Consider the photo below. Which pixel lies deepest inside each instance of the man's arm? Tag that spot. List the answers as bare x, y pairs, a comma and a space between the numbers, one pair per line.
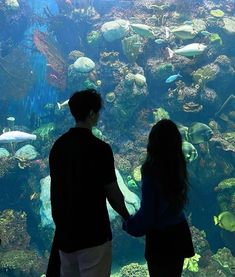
116, 199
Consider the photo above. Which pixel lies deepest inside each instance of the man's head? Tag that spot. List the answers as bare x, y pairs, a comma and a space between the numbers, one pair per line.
84, 104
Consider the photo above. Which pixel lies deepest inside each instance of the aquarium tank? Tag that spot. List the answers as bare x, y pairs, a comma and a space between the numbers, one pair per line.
149, 60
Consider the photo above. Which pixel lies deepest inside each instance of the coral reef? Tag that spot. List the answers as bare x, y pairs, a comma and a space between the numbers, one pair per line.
13, 231
134, 270
225, 258
132, 47
22, 262
205, 74
7, 165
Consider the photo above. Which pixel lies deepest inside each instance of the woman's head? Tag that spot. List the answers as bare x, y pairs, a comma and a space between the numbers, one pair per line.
165, 161
164, 140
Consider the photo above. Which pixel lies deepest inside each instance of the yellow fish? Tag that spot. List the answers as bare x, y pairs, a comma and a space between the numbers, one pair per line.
225, 220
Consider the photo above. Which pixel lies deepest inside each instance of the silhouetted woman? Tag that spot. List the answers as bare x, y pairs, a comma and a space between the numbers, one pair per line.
164, 195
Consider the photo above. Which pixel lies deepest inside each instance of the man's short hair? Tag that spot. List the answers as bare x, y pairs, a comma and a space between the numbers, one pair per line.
81, 103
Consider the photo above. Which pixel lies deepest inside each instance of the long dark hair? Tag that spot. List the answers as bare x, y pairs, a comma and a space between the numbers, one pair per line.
165, 161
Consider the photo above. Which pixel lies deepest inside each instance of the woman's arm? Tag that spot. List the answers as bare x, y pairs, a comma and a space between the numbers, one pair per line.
144, 219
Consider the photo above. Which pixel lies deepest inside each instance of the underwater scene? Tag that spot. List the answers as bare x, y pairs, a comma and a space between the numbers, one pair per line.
149, 60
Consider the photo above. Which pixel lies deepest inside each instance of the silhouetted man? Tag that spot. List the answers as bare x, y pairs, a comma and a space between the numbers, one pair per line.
82, 178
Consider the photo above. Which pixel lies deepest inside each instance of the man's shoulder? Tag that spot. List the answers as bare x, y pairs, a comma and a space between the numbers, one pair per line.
102, 144
61, 140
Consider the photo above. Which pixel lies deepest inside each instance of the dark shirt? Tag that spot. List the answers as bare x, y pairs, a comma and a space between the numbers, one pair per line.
155, 211
81, 165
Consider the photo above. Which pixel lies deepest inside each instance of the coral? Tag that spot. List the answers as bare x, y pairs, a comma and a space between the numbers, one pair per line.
13, 230
137, 173
6, 165
45, 130
88, 84
134, 270
94, 38
208, 95
110, 97
23, 262
223, 142
160, 71
217, 13
108, 57
199, 240
132, 47
122, 164
225, 258
229, 25
206, 73
75, 54
215, 38
160, 113
192, 263
191, 107
57, 67
225, 184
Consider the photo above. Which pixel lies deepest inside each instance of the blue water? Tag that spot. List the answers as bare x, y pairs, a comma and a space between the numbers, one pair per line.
130, 72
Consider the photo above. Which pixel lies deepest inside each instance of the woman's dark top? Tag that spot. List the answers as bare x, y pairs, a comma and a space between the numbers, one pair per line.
167, 232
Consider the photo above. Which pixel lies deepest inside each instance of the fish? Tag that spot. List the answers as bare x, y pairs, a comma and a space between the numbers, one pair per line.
184, 32
225, 220
190, 152
172, 78
61, 105
199, 132
189, 50
159, 41
143, 30
69, 2
167, 32
10, 118
53, 76
205, 33
16, 136
188, 22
